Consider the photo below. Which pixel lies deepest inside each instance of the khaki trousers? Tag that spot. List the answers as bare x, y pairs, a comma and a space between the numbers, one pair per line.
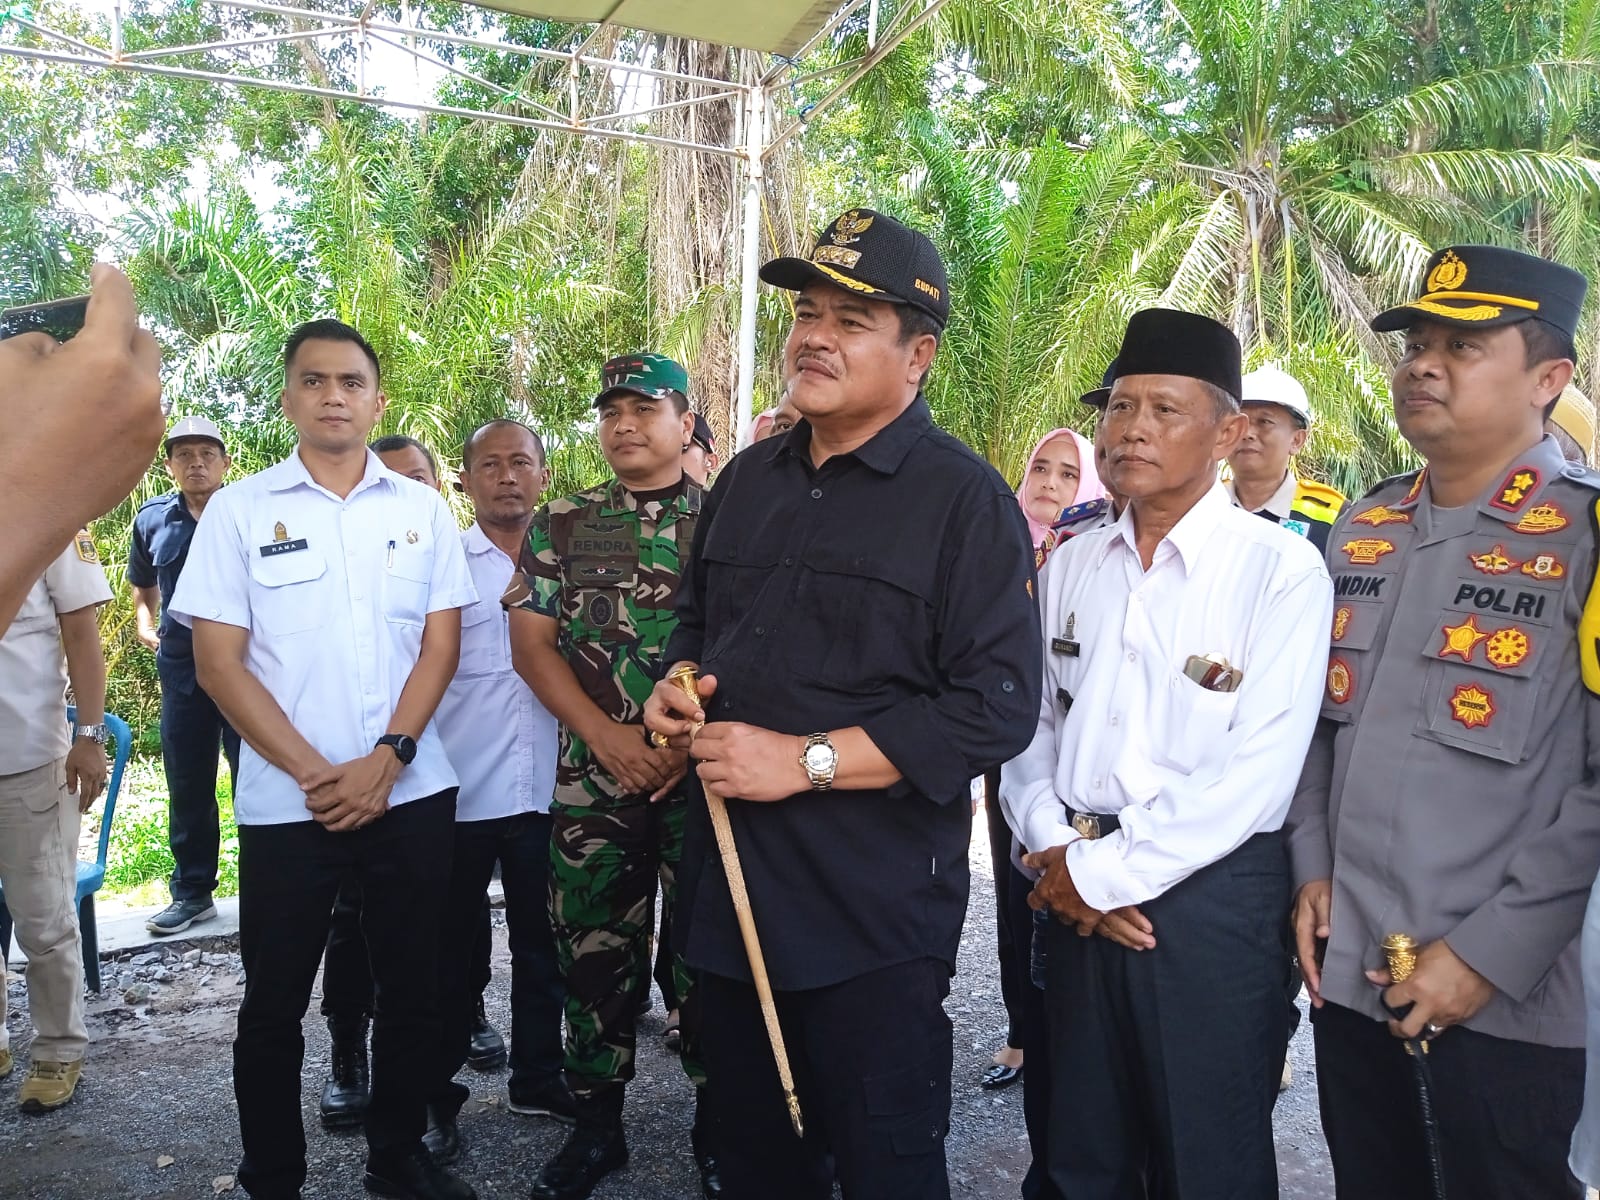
38, 870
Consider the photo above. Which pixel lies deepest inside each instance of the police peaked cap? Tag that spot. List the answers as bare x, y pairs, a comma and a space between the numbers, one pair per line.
1481, 287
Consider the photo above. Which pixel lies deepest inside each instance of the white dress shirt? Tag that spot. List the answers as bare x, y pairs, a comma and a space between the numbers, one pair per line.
1191, 773
499, 738
33, 666
334, 593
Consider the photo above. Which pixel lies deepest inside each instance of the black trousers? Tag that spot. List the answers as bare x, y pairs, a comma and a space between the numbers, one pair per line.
346, 974
1013, 960
1506, 1111
1165, 1063
521, 845
662, 971
871, 1061
288, 875
1036, 1183
191, 730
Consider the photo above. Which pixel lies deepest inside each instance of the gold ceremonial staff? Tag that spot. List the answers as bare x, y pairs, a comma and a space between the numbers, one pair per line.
1400, 952
687, 680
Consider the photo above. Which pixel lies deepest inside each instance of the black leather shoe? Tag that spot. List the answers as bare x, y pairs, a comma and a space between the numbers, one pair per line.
591, 1153
487, 1050
710, 1171
344, 1096
1000, 1076
549, 1099
443, 1138
413, 1176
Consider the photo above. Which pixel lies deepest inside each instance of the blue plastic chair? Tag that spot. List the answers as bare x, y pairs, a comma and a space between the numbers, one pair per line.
90, 874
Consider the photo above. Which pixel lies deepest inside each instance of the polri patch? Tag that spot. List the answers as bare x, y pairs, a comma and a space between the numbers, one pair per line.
1381, 515
1341, 621
1341, 681
1367, 551
1492, 562
1544, 566
1507, 647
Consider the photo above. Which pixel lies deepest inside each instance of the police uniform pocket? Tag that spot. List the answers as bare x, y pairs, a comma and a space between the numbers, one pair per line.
1196, 720
1482, 684
284, 600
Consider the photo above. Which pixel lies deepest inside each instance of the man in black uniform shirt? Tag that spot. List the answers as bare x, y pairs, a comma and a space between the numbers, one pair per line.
860, 605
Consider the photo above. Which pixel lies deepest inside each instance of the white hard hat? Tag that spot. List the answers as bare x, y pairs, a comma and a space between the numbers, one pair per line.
1270, 385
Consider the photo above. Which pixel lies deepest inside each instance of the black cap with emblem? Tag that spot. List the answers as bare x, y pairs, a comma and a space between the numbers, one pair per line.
1484, 286
867, 252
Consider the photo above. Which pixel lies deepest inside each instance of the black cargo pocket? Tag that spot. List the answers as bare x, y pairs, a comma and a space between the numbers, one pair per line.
910, 1107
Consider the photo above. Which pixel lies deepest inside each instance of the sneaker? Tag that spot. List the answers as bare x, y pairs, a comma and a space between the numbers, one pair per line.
550, 1099
179, 915
48, 1086
6, 1063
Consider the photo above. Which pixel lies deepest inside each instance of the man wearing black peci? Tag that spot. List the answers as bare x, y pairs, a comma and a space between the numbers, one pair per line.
860, 605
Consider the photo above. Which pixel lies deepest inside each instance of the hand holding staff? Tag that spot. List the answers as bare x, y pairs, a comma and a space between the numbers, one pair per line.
685, 678
1400, 949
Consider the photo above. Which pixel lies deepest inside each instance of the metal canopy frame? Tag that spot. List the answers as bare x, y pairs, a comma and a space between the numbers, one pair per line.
610, 111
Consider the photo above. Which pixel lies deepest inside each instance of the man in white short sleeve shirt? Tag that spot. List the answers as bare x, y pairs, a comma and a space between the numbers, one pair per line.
325, 596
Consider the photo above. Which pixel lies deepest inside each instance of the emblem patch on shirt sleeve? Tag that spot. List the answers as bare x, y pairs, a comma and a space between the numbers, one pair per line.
1381, 515
1367, 551
1542, 518
1507, 647
1493, 562
1544, 566
84, 545
1341, 680
1472, 705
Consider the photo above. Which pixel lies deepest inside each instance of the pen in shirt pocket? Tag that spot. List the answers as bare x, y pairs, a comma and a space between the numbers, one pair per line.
391, 554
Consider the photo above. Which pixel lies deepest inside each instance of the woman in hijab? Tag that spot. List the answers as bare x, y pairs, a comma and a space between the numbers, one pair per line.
1060, 474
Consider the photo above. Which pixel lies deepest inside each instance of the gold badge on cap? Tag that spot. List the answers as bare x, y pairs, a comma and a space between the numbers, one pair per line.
1448, 273
850, 227
837, 255
279, 533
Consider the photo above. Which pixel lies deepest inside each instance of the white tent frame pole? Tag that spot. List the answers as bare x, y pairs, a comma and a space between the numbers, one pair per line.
755, 122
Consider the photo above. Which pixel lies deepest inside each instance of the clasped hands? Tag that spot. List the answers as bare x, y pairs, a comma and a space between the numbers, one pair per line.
734, 759
351, 795
1055, 892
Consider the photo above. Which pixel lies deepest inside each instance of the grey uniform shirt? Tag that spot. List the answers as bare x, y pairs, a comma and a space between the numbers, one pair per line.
1451, 789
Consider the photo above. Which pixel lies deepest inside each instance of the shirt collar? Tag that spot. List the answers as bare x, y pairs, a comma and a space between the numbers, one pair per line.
475, 541
1187, 537
885, 450
291, 473
1280, 504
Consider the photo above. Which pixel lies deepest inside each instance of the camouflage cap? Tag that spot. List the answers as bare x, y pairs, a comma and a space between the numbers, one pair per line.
653, 375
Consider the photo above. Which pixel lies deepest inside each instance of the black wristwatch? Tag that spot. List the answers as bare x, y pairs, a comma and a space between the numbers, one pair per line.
403, 745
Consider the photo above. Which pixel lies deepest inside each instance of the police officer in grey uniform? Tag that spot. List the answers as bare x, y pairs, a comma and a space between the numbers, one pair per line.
1450, 792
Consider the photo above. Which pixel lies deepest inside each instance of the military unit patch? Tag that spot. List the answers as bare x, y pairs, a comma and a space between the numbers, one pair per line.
1507, 647
1543, 518
1492, 562
1341, 680
1472, 705
1461, 640
84, 545
1381, 515
1515, 490
1544, 566
1367, 551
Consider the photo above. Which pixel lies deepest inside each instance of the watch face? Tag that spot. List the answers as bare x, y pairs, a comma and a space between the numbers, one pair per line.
820, 758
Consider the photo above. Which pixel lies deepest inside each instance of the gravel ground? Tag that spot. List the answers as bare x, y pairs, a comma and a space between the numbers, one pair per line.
155, 1114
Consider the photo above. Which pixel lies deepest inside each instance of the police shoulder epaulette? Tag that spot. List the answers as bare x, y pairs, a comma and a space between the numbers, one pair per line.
1080, 512
1408, 478
1584, 476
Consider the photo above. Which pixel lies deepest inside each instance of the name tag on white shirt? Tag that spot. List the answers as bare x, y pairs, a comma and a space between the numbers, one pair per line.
272, 548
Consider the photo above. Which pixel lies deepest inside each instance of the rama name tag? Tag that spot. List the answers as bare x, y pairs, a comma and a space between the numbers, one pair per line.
284, 547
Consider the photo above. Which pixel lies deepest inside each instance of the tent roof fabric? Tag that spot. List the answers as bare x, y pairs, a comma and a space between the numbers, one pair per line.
774, 26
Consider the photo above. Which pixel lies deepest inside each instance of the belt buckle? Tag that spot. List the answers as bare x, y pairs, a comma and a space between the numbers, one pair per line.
1086, 825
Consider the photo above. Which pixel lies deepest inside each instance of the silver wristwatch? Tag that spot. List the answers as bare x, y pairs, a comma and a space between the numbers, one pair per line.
820, 761
97, 734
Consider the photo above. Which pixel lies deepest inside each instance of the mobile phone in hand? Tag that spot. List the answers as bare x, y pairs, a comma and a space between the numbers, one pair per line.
61, 319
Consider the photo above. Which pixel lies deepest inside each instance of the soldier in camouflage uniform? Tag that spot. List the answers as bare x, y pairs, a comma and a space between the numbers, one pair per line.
590, 616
